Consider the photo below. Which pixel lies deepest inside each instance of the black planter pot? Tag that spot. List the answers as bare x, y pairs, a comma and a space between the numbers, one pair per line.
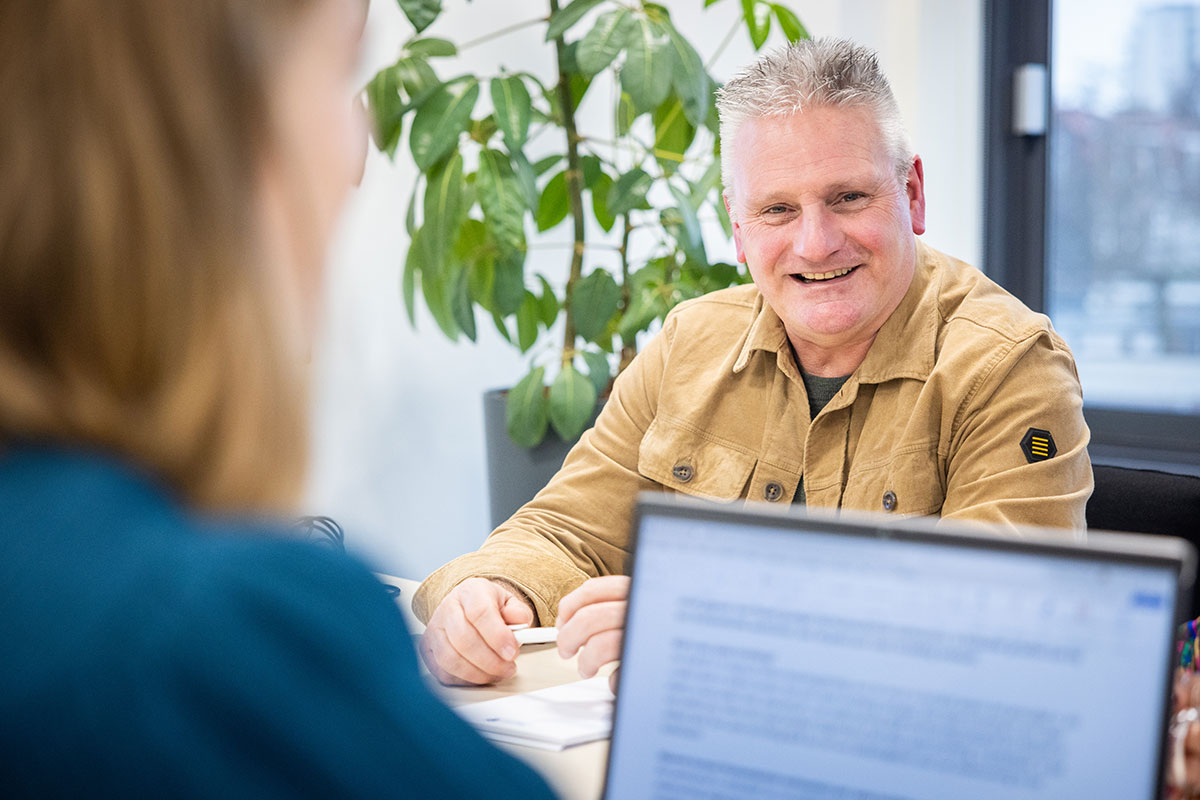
515, 473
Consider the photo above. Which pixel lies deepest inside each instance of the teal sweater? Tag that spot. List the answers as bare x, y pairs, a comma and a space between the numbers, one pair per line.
147, 651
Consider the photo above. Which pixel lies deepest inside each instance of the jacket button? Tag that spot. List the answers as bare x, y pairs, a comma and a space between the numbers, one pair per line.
683, 472
889, 500
773, 491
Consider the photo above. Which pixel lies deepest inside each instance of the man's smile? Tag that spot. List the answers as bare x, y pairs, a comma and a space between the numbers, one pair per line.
822, 277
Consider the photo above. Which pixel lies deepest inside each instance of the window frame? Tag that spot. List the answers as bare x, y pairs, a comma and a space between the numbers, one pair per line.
1015, 167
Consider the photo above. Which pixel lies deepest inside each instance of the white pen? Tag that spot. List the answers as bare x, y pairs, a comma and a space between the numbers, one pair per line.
527, 635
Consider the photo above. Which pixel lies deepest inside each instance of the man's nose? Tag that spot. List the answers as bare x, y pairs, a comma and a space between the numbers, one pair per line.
819, 235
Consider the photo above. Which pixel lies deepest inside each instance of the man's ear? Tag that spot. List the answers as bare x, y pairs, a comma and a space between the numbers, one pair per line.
737, 230
916, 195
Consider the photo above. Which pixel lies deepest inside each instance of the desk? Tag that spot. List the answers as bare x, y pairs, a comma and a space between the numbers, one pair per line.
576, 773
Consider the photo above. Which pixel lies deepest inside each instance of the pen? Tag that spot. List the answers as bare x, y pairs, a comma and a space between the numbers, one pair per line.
527, 635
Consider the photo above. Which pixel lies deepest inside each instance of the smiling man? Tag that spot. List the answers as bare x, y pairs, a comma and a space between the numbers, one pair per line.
863, 370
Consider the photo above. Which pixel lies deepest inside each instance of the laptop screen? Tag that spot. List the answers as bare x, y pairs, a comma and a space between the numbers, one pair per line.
766, 661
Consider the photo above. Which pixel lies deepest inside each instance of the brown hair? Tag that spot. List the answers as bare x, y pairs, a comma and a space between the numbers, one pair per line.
134, 313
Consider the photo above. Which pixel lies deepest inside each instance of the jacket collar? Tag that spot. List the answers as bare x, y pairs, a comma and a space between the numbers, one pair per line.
903, 348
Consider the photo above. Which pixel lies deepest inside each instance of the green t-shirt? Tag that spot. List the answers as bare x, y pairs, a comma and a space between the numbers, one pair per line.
820, 392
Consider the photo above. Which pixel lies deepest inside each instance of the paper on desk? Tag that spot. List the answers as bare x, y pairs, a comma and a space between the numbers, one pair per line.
552, 719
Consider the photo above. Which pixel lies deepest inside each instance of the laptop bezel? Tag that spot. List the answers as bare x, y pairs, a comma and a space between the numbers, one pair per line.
1108, 546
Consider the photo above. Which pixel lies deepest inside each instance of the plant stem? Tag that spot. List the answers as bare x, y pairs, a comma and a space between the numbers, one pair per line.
574, 177
724, 43
628, 347
487, 37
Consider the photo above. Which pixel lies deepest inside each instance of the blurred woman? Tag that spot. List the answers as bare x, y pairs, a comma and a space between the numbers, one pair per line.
170, 174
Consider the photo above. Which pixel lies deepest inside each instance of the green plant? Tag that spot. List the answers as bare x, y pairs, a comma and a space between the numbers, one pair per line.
650, 180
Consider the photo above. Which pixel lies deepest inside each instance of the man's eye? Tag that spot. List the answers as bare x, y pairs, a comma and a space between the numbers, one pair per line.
776, 210
852, 197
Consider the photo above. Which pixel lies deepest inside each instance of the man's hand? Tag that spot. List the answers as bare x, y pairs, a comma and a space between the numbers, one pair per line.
591, 622
467, 640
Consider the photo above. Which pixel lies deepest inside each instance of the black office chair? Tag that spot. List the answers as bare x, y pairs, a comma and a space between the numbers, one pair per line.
1147, 501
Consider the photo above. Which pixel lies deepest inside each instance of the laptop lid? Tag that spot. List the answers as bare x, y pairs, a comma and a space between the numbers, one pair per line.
803, 655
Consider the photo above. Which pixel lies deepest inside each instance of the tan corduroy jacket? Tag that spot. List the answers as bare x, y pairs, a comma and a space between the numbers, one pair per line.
966, 406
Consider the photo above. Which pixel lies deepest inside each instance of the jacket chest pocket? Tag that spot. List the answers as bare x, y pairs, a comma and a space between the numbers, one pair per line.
909, 483
681, 458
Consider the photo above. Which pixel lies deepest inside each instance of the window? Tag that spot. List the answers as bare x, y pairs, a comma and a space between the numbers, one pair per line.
1096, 221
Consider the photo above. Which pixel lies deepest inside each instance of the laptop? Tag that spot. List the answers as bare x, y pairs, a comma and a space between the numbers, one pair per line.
805, 655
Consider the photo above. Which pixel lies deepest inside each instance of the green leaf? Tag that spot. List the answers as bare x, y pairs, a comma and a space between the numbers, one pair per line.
475, 250
600, 194
481, 130
645, 307
432, 48
544, 165
594, 300
600, 45
789, 23
513, 110
690, 239
408, 288
626, 114
689, 79
708, 3
387, 110
436, 284
599, 370
657, 12
578, 85
713, 123
569, 62
445, 206
461, 307
481, 280
421, 13
758, 21
710, 180
501, 327
673, 135
527, 176
509, 288
440, 120
410, 217
547, 303
590, 166
572, 401
416, 77
527, 410
527, 322
552, 207
629, 192
565, 17
502, 199
646, 74
723, 218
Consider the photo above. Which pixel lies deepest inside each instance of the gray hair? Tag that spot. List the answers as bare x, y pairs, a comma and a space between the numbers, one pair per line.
813, 73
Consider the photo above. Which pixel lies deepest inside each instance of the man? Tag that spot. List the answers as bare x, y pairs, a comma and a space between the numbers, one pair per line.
861, 370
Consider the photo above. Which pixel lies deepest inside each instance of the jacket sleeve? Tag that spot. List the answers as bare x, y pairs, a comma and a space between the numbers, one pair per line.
577, 527
287, 672
1018, 455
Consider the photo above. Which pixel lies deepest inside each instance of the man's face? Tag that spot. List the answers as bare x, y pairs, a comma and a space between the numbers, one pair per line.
824, 225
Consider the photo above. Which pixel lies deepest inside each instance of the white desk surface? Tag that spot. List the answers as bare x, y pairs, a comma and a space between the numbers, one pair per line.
576, 773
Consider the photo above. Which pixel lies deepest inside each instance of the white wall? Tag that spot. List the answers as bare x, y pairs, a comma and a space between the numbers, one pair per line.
397, 431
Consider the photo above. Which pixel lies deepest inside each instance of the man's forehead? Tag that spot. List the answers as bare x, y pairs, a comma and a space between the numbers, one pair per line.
821, 130
830, 147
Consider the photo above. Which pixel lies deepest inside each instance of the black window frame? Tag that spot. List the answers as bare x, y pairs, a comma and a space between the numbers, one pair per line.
1019, 32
